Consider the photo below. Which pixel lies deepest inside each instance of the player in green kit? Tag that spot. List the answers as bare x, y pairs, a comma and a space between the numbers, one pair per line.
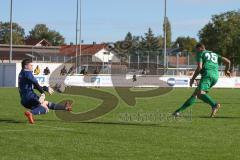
207, 66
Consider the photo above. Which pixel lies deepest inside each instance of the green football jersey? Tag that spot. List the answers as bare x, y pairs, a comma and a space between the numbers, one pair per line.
210, 61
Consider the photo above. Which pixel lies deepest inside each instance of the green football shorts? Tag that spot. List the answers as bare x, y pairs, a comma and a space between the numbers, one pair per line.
207, 82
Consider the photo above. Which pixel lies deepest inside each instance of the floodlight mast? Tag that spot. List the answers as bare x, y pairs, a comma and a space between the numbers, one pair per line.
78, 30
165, 35
10, 53
76, 42
80, 34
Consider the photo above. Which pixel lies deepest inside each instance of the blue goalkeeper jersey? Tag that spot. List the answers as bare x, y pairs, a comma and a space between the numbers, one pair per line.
26, 84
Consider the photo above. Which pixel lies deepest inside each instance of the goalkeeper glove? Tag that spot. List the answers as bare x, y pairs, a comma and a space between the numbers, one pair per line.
50, 90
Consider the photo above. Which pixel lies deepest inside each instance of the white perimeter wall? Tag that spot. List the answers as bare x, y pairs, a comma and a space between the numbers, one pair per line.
9, 78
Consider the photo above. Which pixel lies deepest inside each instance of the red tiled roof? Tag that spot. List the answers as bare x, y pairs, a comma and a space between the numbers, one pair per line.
20, 51
34, 42
87, 49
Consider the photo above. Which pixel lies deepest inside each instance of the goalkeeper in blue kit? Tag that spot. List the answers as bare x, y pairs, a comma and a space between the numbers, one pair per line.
37, 105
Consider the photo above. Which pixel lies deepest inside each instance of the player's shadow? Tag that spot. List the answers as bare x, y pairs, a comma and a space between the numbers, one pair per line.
230, 103
219, 117
121, 123
13, 121
135, 124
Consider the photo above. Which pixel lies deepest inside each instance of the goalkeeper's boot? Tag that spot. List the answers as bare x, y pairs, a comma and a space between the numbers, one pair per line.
214, 110
29, 116
68, 106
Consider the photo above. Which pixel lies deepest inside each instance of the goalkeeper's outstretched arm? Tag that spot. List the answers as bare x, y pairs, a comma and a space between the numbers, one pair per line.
38, 87
41, 89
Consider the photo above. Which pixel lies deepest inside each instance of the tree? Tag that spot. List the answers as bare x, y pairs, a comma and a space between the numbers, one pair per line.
142, 45
222, 35
41, 31
185, 43
149, 43
168, 32
17, 33
129, 46
128, 37
135, 43
160, 41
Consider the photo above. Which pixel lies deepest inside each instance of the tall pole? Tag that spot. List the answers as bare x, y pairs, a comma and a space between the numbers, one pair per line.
76, 47
165, 35
10, 53
148, 60
138, 59
80, 34
129, 60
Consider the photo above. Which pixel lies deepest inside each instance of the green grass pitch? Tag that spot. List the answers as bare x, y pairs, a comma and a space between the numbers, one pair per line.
114, 136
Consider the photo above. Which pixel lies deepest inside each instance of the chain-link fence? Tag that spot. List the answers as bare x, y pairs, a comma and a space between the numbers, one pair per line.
138, 62
153, 63
177, 64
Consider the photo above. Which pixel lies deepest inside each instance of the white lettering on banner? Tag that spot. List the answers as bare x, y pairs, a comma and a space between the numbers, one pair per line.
176, 81
42, 80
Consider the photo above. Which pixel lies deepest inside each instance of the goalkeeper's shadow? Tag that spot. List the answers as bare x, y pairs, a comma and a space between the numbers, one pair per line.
11, 121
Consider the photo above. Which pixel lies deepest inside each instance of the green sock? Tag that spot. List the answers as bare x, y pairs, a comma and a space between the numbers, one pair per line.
187, 104
207, 99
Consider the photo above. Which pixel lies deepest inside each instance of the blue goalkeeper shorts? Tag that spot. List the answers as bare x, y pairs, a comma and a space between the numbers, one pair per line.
30, 101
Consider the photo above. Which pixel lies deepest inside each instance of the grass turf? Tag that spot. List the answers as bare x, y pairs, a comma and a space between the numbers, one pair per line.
122, 133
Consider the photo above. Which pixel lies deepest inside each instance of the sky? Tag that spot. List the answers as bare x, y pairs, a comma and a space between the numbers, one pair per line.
110, 20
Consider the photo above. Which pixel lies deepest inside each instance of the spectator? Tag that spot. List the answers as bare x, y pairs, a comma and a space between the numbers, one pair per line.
37, 70
134, 79
144, 71
46, 71
96, 71
63, 71
71, 71
83, 71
